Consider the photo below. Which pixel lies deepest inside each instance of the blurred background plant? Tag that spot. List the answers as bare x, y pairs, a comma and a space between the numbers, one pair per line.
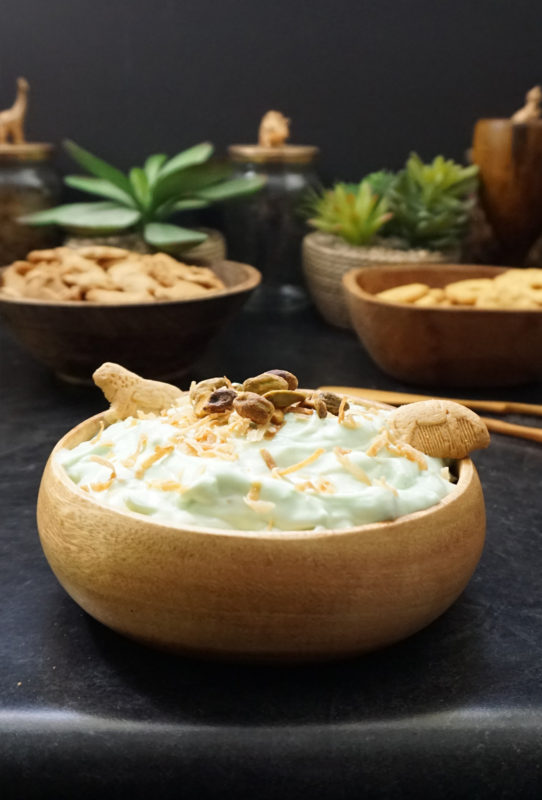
355, 212
145, 199
422, 206
431, 203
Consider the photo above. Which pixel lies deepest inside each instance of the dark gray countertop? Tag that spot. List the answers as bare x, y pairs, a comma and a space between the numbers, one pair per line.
455, 711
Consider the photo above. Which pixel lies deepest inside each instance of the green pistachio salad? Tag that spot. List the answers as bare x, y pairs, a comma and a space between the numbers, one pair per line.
258, 456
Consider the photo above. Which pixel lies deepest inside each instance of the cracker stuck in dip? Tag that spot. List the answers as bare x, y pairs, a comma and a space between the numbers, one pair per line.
262, 455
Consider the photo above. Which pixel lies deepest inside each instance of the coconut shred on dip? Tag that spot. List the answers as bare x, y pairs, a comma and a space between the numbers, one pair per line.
262, 455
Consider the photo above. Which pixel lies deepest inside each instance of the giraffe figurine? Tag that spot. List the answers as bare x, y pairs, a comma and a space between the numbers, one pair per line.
12, 119
531, 109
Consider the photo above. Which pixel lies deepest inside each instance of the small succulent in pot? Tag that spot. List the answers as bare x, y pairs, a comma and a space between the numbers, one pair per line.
431, 203
353, 212
419, 214
145, 199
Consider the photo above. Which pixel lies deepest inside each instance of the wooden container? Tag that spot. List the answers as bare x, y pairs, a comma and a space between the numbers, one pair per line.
509, 157
259, 595
157, 340
443, 346
327, 258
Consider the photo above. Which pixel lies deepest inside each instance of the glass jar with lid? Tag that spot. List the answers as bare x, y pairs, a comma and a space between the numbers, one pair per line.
28, 182
266, 228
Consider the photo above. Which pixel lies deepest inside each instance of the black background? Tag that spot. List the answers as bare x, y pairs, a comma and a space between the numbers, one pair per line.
367, 81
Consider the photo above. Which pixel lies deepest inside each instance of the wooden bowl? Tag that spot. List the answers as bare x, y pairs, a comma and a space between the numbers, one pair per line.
443, 346
259, 595
157, 340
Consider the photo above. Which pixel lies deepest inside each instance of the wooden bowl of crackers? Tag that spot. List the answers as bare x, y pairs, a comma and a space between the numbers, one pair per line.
262, 594
74, 309
450, 324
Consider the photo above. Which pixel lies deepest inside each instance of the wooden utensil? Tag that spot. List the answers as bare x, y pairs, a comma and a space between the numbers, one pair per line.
492, 406
399, 398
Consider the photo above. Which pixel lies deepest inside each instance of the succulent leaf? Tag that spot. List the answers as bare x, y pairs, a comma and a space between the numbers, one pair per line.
353, 212
198, 154
431, 202
381, 182
187, 182
102, 217
97, 166
148, 195
100, 187
140, 186
166, 236
152, 167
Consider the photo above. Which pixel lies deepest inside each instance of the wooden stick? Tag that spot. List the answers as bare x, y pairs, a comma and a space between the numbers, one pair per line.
400, 398
509, 429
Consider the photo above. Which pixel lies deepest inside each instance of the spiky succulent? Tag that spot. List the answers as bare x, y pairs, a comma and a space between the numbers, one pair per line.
381, 182
352, 211
431, 203
148, 196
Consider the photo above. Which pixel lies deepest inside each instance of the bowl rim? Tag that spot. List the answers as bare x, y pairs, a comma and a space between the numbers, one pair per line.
466, 473
252, 279
351, 285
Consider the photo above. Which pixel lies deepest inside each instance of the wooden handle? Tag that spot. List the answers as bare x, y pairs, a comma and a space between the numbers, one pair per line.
400, 398
509, 429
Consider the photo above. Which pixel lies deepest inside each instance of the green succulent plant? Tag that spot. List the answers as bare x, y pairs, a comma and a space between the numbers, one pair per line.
147, 197
381, 182
352, 211
431, 202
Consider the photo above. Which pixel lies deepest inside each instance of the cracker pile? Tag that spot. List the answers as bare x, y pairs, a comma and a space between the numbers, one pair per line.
513, 289
107, 275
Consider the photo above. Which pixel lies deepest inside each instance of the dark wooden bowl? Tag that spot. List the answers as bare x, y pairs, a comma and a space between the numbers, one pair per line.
443, 346
157, 340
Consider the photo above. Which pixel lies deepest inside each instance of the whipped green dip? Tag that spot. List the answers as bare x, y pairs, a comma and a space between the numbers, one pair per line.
228, 473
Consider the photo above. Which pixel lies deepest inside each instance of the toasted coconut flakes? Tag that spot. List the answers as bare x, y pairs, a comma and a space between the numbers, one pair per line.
268, 458
300, 410
146, 415
129, 461
445, 473
256, 434
252, 499
383, 482
96, 438
101, 487
260, 506
409, 452
353, 469
302, 487
166, 486
325, 486
105, 463
309, 460
254, 492
342, 409
381, 441
159, 452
